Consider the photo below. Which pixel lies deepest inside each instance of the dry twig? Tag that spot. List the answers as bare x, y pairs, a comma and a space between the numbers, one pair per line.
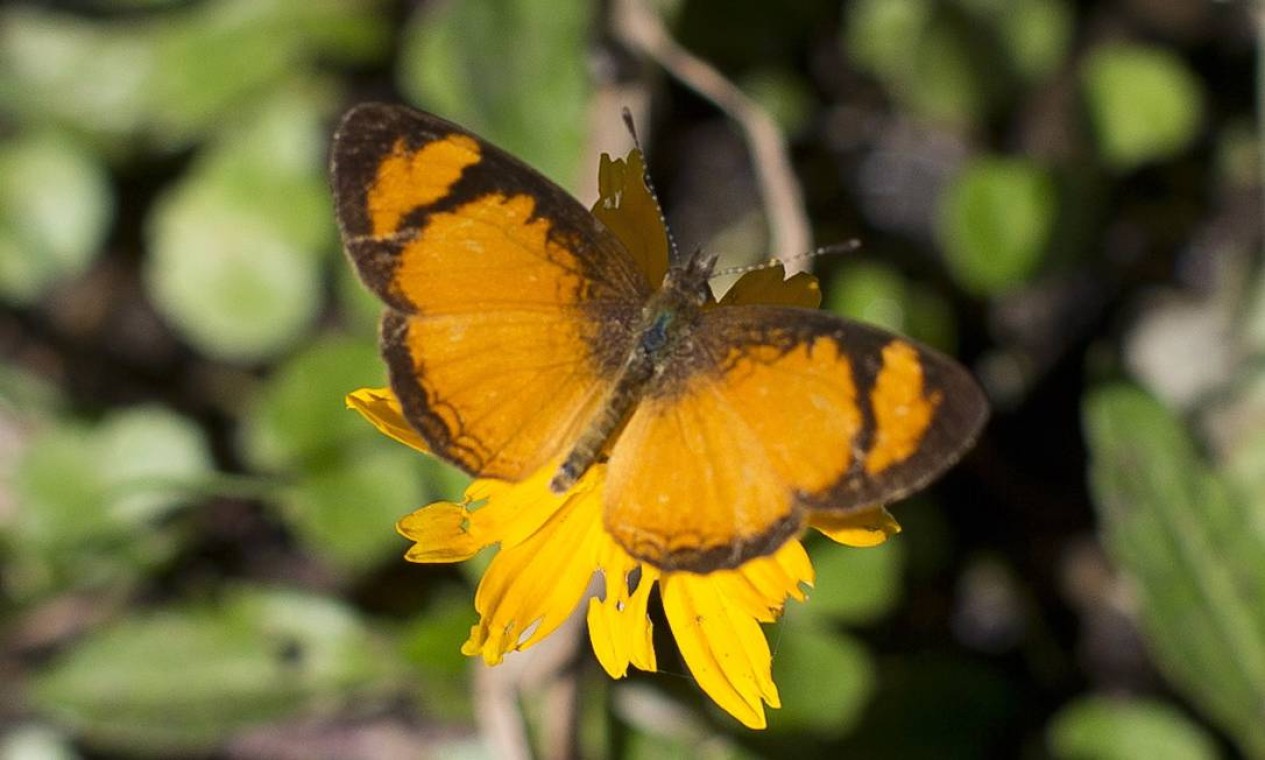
641, 29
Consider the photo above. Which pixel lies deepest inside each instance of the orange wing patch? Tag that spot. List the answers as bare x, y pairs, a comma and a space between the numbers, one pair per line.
902, 413
711, 474
492, 252
407, 180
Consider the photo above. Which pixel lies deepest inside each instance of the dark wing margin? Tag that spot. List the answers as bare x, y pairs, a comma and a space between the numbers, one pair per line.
960, 406
960, 412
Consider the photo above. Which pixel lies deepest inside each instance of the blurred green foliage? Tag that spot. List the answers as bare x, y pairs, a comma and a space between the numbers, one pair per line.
995, 223
1144, 103
93, 497
196, 545
488, 65
1193, 547
252, 656
56, 203
1108, 729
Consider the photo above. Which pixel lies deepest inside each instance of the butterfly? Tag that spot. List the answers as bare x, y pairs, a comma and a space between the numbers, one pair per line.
521, 333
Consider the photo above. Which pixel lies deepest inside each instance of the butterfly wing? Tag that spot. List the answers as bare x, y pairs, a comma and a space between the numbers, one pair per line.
508, 302
778, 412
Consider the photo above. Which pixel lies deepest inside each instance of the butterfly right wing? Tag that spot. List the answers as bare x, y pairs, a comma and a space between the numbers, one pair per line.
773, 414
509, 304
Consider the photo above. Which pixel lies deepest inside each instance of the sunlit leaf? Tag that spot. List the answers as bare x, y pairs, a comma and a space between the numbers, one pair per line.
150, 460
89, 498
922, 56
55, 209
995, 222
1144, 102
36, 742
1110, 729
300, 418
237, 246
345, 513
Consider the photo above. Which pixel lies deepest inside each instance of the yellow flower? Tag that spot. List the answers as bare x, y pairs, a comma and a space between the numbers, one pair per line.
551, 545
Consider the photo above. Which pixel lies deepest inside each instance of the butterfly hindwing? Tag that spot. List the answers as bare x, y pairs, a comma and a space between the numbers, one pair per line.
784, 411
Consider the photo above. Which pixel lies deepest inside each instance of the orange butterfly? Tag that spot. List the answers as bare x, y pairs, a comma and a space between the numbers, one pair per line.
520, 333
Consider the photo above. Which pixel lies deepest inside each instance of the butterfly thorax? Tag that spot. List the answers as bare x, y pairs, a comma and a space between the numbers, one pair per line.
661, 336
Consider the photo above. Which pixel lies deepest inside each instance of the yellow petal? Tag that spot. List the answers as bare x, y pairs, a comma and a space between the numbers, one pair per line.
382, 409
441, 532
776, 577
867, 528
529, 589
724, 648
619, 627
514, 511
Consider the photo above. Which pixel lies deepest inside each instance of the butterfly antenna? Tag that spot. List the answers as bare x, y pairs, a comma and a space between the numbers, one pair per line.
825, 250
673, 254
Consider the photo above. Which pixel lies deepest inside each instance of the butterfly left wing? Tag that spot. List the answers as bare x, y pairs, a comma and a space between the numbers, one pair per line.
508, 301
774, 413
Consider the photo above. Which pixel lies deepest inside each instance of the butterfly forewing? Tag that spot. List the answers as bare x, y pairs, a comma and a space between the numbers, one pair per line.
510, 304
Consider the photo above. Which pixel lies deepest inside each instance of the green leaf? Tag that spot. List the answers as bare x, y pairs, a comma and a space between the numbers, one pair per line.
55, 208
90, 499
514, 71
59, 488
352, 483
346, 513
300, 418
1095, 728
945, 85
61, 68
1145, 104
181, 680
1195, 554
150, 460
994, 223
854, 585
236, 248
25, 396
825, 680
